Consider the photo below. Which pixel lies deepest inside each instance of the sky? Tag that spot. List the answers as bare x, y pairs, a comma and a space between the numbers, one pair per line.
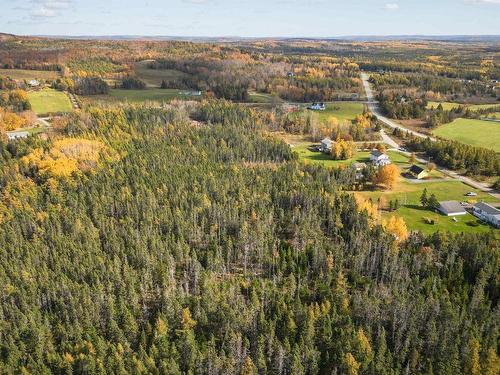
250, 18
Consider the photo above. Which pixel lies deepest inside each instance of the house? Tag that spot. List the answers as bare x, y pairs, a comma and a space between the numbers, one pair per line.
17, 135
34, 83
451, 208
317, 107
379, 158
488, 213
358, 168
417, 172
290, 74
326, 145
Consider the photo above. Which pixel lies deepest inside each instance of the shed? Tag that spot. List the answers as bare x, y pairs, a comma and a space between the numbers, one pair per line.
451, 208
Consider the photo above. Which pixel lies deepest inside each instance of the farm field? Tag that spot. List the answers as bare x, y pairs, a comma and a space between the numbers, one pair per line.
49, 101
23, 74
473, 132
397, 158
343, 111
450, 105
139, 96
259, 97
411, 211
154, 77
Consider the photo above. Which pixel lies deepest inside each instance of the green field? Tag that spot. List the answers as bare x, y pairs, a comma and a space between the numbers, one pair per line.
22, 74
138, 96
343, 111
447, 106
153, 77
49, 101
397, 158
262, 98
472, 132
408, 195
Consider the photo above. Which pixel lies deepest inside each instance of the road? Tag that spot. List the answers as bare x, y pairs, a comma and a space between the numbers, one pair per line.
373, 106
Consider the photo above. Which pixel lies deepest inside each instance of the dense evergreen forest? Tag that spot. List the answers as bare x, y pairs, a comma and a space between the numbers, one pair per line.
186, 240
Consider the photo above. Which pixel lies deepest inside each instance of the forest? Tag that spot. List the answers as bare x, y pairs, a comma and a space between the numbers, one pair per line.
187, 236
186, 240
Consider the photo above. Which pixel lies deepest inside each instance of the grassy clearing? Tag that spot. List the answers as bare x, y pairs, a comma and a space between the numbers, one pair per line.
472, 132
149, 95
262, 98
49, 101
139, 96
153, 77
450, 105
22, 74
408, 195
343, 111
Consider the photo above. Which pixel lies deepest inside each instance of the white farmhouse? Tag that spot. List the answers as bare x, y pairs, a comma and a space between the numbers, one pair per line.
379, 159
487, 213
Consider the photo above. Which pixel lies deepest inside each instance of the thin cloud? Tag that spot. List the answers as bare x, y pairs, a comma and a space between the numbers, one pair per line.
49, 8
483, 2
391, 6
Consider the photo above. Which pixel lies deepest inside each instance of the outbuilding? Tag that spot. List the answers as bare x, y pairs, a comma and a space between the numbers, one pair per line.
417, 172
451, 208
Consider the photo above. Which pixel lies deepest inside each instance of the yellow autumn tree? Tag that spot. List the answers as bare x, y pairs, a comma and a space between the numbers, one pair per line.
387, 176
397, 227
248, 367
492, 364
187, 322
11, 121
351, 364
473, 364
368, 206
66, 157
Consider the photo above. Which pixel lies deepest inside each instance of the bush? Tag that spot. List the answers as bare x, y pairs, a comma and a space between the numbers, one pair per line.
132, 83
91, 86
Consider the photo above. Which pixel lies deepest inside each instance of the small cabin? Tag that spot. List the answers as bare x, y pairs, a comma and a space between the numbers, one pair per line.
417, 172
317, 107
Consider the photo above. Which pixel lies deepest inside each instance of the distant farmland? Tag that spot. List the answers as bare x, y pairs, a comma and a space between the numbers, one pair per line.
23, 74
49, 101
154, 77
473, 132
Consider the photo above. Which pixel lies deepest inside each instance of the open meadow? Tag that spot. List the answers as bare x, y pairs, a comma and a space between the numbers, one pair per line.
473, 132
447, 106
342, 111
140, 96
49, 101
24, 74
154, 77
408, 195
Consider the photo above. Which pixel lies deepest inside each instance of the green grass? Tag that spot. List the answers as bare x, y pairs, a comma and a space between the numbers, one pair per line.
324, 159
138, 96
408, 195
154, 77
472, 132
23, 74
343, 111
262, 98
450, 105
49, 101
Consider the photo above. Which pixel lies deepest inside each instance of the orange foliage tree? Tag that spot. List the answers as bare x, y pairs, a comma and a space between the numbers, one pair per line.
387, 175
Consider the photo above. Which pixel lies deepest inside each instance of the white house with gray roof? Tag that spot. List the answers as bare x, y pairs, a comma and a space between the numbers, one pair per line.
488, 213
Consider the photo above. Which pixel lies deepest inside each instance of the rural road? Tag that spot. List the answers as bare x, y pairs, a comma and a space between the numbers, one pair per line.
373, 106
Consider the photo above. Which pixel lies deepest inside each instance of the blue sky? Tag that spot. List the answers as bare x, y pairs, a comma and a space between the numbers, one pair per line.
320, 18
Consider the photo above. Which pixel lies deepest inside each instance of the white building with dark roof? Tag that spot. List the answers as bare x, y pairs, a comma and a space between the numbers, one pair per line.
488, 213
379, 158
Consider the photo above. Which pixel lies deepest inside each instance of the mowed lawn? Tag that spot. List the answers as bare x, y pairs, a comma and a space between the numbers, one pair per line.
138, 96
49, 101
447, 106
343, 111
24, 74
473, 132
408, 196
